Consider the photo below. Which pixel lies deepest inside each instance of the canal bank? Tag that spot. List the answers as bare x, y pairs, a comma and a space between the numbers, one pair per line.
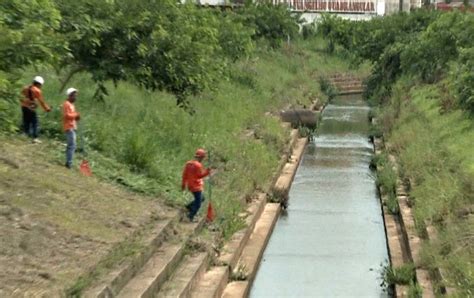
331, 240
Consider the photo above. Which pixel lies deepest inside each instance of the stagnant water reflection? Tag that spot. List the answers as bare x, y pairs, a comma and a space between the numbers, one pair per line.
331, 241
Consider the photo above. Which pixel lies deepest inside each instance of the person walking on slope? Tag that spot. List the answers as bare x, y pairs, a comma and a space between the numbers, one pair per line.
193, 174
70, 118
31, 95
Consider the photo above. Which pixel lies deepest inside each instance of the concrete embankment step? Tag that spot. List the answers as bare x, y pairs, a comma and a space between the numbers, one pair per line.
154, 273
213, 283
186, 276
253, 252
231, 252
236, 289
347, 84
151, 277
115, 280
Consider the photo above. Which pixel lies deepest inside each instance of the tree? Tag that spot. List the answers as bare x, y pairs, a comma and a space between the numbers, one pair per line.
27, 37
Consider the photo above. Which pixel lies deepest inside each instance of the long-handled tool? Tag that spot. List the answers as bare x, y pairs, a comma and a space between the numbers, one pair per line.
84, 166
210, 211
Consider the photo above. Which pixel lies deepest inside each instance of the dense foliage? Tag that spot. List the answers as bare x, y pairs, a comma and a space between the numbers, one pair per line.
427, 45
26, 37
159, 45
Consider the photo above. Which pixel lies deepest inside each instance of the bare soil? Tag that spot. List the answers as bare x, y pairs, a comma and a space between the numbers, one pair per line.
56, 224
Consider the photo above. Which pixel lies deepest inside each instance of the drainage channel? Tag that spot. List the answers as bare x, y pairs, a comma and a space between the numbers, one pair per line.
331, 240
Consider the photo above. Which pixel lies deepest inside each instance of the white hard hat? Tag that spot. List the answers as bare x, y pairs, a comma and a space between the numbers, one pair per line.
70, 90
39, 80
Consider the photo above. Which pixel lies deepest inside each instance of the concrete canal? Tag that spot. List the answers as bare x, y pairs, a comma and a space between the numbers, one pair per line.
331, 240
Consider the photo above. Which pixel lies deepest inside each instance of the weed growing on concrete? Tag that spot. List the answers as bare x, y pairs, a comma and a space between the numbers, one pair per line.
415, 290
327, 88
402, 275
387, 181
240, 273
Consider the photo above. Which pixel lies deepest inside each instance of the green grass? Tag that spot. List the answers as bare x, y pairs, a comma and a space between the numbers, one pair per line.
387, 181
402, 275
435, 152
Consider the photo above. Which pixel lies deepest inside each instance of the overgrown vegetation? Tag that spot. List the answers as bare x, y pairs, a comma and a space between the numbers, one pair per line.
429, 46
403, 275
327, 88
387, 181
422, 78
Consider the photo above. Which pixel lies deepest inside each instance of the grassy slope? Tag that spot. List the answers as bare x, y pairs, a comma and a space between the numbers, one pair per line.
140, 140
56, 224
436, 152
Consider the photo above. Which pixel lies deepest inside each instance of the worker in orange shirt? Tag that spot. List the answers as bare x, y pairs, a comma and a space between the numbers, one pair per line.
31, 96
70, 118
193, 174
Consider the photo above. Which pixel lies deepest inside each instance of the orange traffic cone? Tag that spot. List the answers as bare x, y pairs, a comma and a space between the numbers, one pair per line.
210, 213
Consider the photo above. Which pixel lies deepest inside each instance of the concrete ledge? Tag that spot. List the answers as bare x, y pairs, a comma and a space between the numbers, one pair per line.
424, 281
253, 251
409, 242
236, 289
156, 271
440, 274
212, 284
413, 242
396, 249
118, 278
401, 291
186, 276
233, 249
282, 185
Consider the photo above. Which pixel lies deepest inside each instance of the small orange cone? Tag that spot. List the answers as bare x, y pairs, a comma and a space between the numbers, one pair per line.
85, 168
210, 213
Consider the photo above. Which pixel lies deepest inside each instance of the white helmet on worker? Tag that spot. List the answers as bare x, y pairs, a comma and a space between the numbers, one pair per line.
38, 80
70, 91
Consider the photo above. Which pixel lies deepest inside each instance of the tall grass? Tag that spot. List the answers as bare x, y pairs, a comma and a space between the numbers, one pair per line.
435, 150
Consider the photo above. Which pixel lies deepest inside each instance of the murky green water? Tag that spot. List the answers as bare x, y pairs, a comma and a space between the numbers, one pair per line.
331, 241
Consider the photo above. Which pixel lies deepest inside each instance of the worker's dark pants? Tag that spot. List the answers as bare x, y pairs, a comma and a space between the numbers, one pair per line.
71, 146
30, 122
196, 204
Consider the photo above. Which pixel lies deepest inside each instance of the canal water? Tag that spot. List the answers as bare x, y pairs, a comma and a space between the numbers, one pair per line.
331, 240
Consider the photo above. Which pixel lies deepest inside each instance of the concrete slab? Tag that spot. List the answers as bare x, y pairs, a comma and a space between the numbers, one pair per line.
253, 251
233, 249
212, 284
236, 289
154, 273
118, 278
185, 277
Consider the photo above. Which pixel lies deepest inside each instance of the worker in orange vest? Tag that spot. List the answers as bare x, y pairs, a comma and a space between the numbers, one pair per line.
70, 118
193, 174
31, 96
